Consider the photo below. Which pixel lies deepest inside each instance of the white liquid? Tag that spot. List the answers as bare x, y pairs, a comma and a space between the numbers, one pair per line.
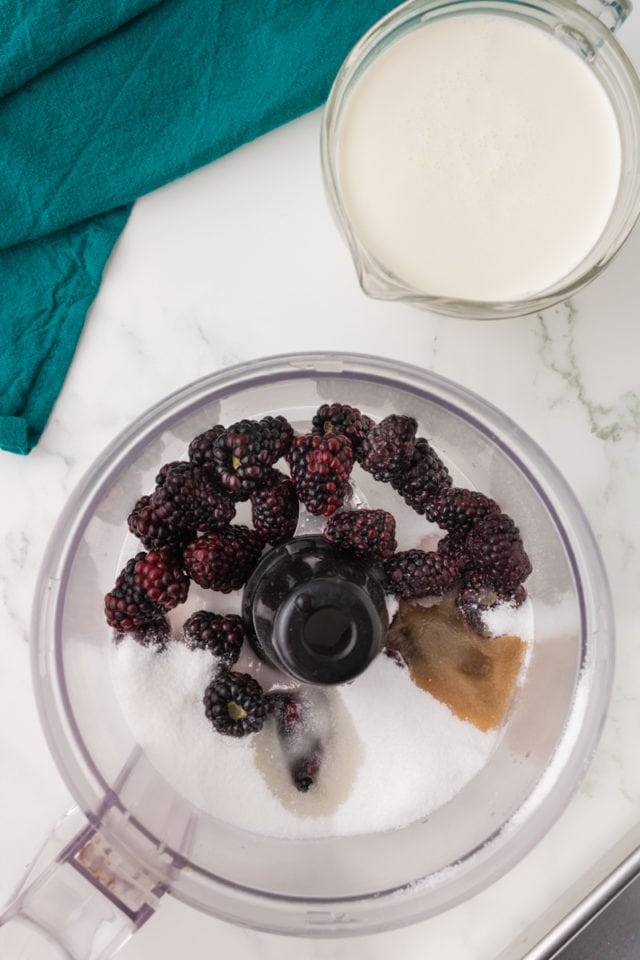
479, 158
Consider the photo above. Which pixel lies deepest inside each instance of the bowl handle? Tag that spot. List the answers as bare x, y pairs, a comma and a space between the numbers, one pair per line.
612, 13
85, 904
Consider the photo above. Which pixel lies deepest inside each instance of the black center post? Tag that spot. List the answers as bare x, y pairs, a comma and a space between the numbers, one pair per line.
314, 612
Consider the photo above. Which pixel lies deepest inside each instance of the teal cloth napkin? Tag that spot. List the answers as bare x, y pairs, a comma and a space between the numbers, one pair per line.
105, 101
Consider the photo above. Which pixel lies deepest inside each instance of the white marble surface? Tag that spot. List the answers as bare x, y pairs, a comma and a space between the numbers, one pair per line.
241, 260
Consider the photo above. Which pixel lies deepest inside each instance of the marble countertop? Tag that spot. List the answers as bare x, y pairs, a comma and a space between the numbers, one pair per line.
241, 260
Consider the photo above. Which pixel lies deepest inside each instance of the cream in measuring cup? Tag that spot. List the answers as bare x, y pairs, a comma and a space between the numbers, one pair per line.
478, 157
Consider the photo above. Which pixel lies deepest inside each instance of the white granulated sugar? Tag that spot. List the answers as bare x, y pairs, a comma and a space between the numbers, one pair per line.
507, 620
417, 754
392, 753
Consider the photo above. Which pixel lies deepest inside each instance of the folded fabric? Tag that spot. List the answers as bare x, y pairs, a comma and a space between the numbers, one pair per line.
139, 93
42, 33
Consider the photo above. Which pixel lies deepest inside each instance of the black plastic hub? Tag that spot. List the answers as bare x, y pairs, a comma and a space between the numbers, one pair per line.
314, 612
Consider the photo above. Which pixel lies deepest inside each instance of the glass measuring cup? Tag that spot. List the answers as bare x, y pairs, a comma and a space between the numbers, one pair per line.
585, 30
136, 837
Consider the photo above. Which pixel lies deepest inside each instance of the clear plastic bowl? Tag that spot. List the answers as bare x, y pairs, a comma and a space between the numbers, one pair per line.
334, 886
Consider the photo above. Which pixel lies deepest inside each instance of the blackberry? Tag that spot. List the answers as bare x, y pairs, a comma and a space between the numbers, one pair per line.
279, 434
243, 454
223, 636
426, 477
453, 546
234, 703
320, 468
145, 524
156, 633
341, 418
223, 561
477, 594
201, 447
388, 447
165, 469
159, 574
457, 510
127, 607
188, 500
275, 509
305, 770
366, 533
390, 650
302, 750
413, 573
494, 549
288, 715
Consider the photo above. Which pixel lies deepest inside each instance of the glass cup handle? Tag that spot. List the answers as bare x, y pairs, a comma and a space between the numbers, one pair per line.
612, 13
83, 905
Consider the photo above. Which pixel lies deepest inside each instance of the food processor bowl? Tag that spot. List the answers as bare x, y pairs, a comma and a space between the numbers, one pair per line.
141, 837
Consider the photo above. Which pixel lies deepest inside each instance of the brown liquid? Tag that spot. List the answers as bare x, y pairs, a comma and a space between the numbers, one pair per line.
474, 676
